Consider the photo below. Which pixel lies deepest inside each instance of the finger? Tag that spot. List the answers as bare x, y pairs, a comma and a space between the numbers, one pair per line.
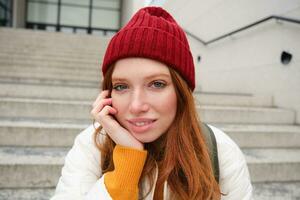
102, 95
108, 110
105, 116
98, 107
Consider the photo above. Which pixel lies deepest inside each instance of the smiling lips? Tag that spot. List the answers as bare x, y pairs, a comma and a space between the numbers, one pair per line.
140, 125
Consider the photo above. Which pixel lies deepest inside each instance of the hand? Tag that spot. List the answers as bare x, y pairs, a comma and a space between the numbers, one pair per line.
102, 112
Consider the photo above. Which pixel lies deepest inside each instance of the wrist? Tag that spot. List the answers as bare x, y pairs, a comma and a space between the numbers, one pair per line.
138, 146
129, 163
132, 145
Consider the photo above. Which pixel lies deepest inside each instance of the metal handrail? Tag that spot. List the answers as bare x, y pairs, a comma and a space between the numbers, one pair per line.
242, 29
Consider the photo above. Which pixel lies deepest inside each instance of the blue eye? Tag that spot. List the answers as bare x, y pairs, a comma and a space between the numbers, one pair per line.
120, 87
158, 84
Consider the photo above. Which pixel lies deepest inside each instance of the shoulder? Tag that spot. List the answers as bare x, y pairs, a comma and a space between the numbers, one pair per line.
234, 175
81, 173
85, 149
86, 136
229, 153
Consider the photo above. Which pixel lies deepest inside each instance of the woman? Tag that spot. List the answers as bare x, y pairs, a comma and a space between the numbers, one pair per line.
146, 142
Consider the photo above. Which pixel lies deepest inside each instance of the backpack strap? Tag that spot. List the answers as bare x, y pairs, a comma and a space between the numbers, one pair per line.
211, 143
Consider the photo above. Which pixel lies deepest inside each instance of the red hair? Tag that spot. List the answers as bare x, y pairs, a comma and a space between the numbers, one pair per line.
181, 153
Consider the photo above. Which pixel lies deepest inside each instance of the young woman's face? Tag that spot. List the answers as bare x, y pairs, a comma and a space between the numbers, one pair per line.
144, 96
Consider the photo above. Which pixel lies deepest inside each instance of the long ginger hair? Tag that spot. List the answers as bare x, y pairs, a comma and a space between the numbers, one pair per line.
180, 154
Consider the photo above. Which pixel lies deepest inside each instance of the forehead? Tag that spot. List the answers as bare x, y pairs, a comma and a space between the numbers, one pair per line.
129, 67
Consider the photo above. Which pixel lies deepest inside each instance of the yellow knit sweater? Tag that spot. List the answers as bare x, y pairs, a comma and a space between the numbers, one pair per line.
122, 183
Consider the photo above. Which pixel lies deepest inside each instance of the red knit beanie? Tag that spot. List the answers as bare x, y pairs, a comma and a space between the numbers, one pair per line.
153, 33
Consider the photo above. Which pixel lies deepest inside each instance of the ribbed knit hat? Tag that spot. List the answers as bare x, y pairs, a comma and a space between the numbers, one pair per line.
153, 33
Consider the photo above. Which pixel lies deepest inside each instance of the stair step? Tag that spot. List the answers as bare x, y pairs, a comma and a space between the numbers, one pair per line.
43, 35
90, 65
30, 167
55, 134
245, 115
73, 41
39, 133
233, 99
62, 71
19, 58
51, 39
93, 66
27, 194
44, 109
52, 53
263, 136
54, 75
62, 109
276, 191
53, 46
63, 92
261, 191
15, 80
46, 62
273, 164
41, 167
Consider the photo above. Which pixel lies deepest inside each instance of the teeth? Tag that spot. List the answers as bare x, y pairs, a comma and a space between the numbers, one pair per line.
141, 123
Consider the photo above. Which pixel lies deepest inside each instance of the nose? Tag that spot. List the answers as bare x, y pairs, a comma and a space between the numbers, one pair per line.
138, 103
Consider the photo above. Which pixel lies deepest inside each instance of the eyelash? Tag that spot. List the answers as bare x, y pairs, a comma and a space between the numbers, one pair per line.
161, 85
117, 87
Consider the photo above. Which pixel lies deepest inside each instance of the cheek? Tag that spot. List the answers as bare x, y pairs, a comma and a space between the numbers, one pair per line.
168, 105
120, 104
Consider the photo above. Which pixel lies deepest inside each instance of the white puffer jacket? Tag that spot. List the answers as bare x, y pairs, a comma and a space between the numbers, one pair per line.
82, 178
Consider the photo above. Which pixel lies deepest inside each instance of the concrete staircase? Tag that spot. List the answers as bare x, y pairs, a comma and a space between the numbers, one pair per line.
47, 84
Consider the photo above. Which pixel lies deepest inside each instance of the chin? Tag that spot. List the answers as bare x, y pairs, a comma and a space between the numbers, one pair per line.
144, 139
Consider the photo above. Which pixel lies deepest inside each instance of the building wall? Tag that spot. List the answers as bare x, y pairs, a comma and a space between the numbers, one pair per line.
249, 63
129, 7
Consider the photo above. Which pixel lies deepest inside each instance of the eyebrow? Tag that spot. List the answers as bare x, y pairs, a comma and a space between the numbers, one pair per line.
147, 77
